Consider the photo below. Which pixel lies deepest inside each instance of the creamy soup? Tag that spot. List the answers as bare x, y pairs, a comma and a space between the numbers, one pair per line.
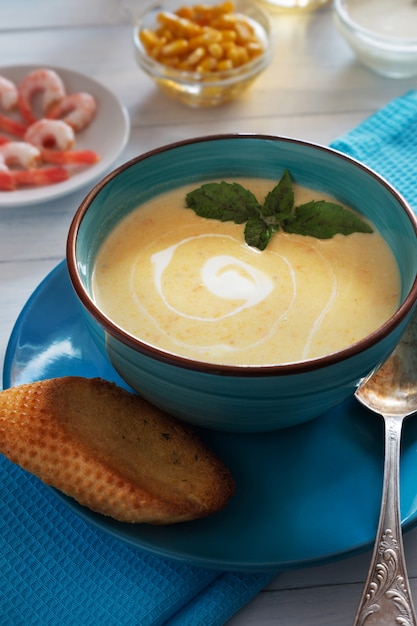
191, 285
395, 18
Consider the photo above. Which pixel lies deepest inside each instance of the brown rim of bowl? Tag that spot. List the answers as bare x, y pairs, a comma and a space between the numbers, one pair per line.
215, 368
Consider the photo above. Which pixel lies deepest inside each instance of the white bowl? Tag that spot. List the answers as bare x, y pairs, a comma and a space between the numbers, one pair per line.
383, 36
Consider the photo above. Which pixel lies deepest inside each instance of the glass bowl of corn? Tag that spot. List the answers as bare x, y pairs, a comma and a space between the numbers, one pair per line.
205, 54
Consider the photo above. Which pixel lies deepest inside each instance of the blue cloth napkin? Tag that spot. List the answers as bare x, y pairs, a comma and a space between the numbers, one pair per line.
55, 569
387, 142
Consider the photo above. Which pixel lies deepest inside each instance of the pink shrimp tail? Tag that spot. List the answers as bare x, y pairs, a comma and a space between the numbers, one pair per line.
70, 157
40, 176
11, 126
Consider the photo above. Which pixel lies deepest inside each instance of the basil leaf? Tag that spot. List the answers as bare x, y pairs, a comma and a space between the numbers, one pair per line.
228, 202
257, 233
231, 202
323, 220
280, 201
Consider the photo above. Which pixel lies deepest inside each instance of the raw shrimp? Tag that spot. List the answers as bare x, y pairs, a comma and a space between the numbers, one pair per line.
8, 101
10, 180
76, 109
8, 94
41, 80
70, 157
55, 139
40, 176
27, 157
51, 134
19, 154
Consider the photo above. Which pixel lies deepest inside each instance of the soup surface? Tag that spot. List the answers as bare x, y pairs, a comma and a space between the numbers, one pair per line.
193, 287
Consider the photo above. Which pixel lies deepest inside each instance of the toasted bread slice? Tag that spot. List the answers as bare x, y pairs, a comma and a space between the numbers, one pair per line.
111, 451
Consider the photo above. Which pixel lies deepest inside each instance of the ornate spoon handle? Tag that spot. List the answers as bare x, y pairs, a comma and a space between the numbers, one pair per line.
386, 594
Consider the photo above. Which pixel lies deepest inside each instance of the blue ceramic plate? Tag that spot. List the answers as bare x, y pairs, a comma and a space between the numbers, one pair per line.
304, 495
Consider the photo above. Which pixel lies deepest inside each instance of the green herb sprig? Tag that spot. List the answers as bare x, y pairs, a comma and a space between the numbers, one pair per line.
231, 202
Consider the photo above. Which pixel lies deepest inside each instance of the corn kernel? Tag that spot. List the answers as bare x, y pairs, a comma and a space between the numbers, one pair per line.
254, 49
175, 48
173, 62
155, 52
165, 34
185, 12
220, 9
224, 65
215, 50
179, 26
229, 35
148, 38
225, 22
207, 65
195, 57
244, 32
238, 55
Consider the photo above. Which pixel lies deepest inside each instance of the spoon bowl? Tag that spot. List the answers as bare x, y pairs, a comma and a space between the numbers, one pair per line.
392, 392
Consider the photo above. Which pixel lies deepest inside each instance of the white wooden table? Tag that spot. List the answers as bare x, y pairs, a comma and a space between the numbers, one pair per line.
314, 90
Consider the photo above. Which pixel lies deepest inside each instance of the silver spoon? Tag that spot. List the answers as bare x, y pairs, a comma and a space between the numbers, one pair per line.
392, 392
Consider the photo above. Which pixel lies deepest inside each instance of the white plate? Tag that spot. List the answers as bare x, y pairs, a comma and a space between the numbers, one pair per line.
107, 134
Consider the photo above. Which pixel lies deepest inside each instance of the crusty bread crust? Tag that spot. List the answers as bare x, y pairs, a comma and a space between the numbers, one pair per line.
111, 451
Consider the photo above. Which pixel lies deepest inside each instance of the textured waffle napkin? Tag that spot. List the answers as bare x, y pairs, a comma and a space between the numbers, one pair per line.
55, 569
387, 142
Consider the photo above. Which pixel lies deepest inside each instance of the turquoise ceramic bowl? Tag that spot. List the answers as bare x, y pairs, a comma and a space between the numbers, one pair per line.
241, 398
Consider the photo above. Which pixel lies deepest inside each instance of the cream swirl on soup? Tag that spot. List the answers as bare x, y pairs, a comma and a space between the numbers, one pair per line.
193, 287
